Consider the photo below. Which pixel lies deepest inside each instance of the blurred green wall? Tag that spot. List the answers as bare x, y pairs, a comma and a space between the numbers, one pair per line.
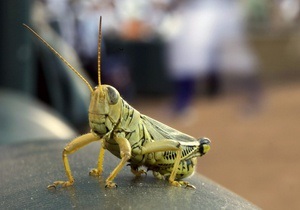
16, 51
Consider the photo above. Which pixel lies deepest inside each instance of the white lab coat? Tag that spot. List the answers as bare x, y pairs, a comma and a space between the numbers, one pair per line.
206, 31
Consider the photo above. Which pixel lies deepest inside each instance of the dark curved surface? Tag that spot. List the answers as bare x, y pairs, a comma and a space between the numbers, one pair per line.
23, 118
27, 169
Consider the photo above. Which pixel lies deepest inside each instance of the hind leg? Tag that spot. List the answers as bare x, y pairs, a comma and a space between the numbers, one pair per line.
166, 145
186, 168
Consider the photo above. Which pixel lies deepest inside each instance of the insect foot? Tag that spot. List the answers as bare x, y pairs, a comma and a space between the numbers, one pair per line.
110, 184
182, 183
190, 186
95, 172
62, 183
187, 184
137, 172
175, 183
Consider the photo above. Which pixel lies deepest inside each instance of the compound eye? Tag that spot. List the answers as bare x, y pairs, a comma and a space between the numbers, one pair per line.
113, 95
204, 140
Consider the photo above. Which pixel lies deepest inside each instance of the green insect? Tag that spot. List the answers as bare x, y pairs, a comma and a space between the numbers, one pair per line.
131, 136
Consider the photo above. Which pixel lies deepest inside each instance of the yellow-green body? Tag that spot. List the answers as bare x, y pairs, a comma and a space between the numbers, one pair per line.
120, 119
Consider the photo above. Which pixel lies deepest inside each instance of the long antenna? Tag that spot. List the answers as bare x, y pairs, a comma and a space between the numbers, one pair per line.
99, 54
60, 56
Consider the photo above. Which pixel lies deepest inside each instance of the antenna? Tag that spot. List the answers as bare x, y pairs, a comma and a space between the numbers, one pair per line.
99, 54
60, 56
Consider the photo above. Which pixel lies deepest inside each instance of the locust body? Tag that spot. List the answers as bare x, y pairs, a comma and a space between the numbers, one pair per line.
132, 137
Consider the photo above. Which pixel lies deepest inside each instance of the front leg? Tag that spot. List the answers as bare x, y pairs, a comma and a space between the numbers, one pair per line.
125, 153
98, 171
72, 147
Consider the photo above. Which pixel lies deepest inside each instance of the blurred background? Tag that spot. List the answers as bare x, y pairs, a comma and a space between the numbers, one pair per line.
225, 69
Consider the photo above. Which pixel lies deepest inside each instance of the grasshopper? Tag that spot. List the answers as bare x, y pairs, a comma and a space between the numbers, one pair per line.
131, 136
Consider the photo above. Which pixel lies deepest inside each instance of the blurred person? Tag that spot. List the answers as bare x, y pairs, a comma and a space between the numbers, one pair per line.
237, 58
192, 47
289, 10
209, 40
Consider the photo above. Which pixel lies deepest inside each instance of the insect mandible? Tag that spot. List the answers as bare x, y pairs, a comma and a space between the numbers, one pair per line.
131, 136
